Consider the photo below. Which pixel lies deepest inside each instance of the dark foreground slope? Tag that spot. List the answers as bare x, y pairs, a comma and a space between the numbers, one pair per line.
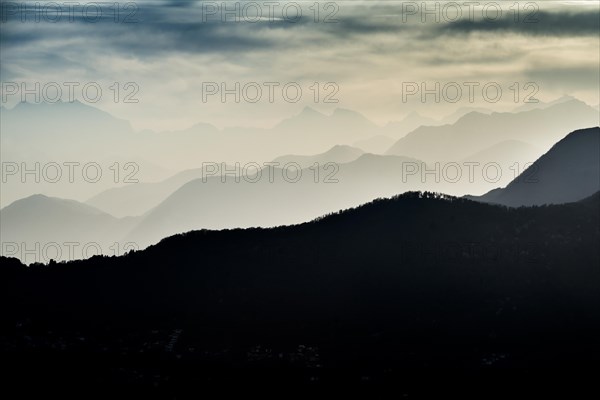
416, 290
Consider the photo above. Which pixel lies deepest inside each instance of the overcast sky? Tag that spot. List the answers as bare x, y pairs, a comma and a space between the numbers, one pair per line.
366, 49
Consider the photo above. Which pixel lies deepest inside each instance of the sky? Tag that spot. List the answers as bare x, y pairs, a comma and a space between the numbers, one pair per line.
171, 60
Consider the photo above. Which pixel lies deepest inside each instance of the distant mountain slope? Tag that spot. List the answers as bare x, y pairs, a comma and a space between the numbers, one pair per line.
397, 129
570, 171
63, 120
378, 144
39, 135
541, 104
213, 204
32, 224
87, 178
60, 130
341, 118
507, 159
136, 199
507, 153
361, 177
474, 132
75, 132
462, 111
53, 212
308, 132
139, 198
337, 154
311, 130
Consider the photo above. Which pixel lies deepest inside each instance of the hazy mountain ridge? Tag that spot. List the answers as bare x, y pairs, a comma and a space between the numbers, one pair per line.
376, 144
475, 131
95, 136
137, 199
512, 156
40, 227
337, 154
216, 204
507, 153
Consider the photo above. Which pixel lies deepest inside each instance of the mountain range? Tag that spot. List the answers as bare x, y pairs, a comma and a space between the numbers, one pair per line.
475, 132
74, 132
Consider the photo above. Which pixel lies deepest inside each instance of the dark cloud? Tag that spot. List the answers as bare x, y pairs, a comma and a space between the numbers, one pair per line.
177, 27
153, 37
541, 23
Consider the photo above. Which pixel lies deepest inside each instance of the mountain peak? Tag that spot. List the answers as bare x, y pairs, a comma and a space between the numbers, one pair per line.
42, 204
36, 198
569, 171
309, 111
350, 116
565, 97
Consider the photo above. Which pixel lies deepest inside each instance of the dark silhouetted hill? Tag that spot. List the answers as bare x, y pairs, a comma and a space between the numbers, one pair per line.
570, 171
394, 291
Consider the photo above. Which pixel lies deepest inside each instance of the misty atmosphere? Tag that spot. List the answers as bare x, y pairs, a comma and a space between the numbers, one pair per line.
300, 194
